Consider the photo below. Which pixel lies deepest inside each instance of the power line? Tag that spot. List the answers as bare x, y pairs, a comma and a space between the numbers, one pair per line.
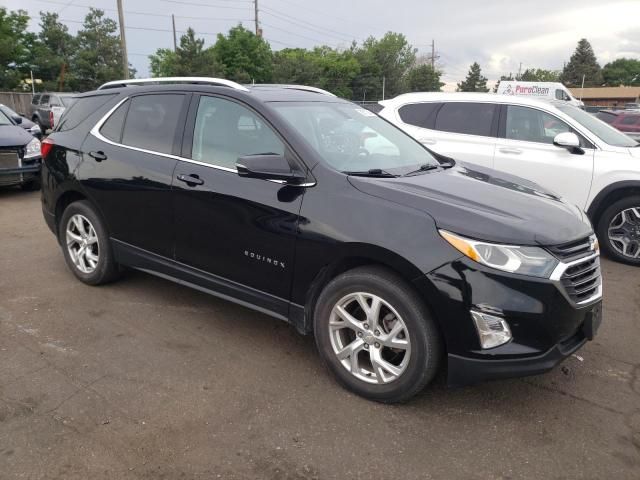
292, 33
207, 4
320, 12
289, 18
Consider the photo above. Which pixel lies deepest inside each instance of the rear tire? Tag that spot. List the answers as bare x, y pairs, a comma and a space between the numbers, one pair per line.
381, 365
85, 244
618, 230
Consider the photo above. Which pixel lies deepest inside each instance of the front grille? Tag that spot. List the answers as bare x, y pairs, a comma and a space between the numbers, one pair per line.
9, 159
572, 250
582, 280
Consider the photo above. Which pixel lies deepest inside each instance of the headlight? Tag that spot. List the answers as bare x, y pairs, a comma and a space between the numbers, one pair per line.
33, 149
532, 261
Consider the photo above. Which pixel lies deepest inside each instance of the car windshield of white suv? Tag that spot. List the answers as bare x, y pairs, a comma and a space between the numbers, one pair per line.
354, 140
605, 132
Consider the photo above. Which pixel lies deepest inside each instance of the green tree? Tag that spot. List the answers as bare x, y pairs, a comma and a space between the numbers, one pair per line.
539, 75
99, 57
424, 78
16, 46
623, 71
189, 59
388, 58
243, 56
583, 64
53, 52
474, 82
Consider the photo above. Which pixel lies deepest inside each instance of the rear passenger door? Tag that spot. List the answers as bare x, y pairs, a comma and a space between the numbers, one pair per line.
239, 230
462, 130
129, 159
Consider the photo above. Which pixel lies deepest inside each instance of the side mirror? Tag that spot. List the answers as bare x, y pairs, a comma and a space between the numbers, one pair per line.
17, 119
268, 166
568, 140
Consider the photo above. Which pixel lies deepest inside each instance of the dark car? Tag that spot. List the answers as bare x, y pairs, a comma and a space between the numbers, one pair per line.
398, 260
624, 120
47, 107
25, 123
19, 156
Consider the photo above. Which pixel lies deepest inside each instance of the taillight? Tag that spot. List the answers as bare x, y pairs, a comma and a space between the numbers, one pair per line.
50, 119
45, 147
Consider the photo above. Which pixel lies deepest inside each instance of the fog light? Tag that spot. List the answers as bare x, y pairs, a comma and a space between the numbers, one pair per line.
492, 331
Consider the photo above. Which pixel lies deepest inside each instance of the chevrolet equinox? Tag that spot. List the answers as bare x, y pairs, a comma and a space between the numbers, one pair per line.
309, 208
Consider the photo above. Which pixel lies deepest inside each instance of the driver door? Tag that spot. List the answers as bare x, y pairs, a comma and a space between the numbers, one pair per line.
526, 149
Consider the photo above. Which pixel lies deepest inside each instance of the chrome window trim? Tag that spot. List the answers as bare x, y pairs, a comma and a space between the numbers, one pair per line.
95, 131
561, 268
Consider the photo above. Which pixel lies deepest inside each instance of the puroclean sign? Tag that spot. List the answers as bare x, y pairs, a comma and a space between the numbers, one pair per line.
535, 90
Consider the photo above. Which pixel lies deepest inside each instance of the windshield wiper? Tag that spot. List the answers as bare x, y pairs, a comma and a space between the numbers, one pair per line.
372, 172
423, 168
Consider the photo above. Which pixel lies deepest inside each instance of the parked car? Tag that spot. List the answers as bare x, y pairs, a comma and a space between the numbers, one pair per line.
278, 199
626, 121
556, 145
19, 156
25, 123
554, 91
47, 108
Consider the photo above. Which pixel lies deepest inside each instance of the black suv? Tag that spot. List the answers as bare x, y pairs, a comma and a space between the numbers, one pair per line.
311, 209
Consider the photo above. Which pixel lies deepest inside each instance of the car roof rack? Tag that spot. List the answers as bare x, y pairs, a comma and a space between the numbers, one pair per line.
168, 80
305, 88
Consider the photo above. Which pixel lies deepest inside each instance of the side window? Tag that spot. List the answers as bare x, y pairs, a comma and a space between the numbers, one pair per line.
530, 125
468, 118
80, 111
152, 121
44, 100
559, 94
418, 114
112, 128
225, 131
630, 120
35, 100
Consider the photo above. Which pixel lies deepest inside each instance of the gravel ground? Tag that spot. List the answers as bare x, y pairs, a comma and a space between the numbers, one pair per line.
145, 379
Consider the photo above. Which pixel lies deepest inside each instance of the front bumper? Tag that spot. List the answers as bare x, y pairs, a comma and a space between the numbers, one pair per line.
27, 171
546, 325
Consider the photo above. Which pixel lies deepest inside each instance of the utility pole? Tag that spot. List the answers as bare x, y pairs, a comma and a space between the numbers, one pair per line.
384, 81
433, 54
258, 32
123, 42
519, 71
175, 41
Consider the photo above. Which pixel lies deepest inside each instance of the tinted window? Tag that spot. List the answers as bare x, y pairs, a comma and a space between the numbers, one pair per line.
80, 110
225, 131
418, 114
44, 100
35, 100
151, 122
112, 128
469, 118
531, 125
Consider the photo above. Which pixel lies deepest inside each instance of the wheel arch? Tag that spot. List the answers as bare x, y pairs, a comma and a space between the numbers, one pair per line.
610, 194
63, 201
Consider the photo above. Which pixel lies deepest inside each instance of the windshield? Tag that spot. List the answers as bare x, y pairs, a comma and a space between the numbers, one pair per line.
67, 100
4, 119
352, 139
605, 132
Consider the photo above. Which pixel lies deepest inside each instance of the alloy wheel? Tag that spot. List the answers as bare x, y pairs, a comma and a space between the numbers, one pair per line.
369, 338
624, 232
82, 243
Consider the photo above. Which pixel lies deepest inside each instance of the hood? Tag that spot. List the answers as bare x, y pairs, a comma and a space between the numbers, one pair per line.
26, 123
14, 136
484, 204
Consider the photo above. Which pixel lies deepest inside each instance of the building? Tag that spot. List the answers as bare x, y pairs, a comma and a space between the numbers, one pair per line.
607, 96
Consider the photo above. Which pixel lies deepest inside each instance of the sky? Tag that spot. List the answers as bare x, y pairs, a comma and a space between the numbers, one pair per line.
500, 35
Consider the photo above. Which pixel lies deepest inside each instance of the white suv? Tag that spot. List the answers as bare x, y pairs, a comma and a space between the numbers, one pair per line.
556, 145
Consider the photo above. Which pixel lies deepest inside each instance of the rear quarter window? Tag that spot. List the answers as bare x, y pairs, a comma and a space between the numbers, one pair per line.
80, 111
35, 100
419, 114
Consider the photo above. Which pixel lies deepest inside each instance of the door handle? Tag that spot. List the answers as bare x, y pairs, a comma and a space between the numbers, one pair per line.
98, 156
515, 151
427, 141
191, 180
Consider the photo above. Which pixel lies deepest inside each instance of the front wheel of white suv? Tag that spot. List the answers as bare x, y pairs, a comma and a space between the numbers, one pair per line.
619, 230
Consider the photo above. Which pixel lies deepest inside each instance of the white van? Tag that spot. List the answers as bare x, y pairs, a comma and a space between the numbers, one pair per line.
541, 90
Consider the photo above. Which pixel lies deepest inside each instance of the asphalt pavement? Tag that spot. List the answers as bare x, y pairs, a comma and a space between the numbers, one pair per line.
145, 379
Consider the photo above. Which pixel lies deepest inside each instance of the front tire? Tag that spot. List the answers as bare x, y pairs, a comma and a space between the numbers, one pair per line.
619, 230
376, 335
85, 244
